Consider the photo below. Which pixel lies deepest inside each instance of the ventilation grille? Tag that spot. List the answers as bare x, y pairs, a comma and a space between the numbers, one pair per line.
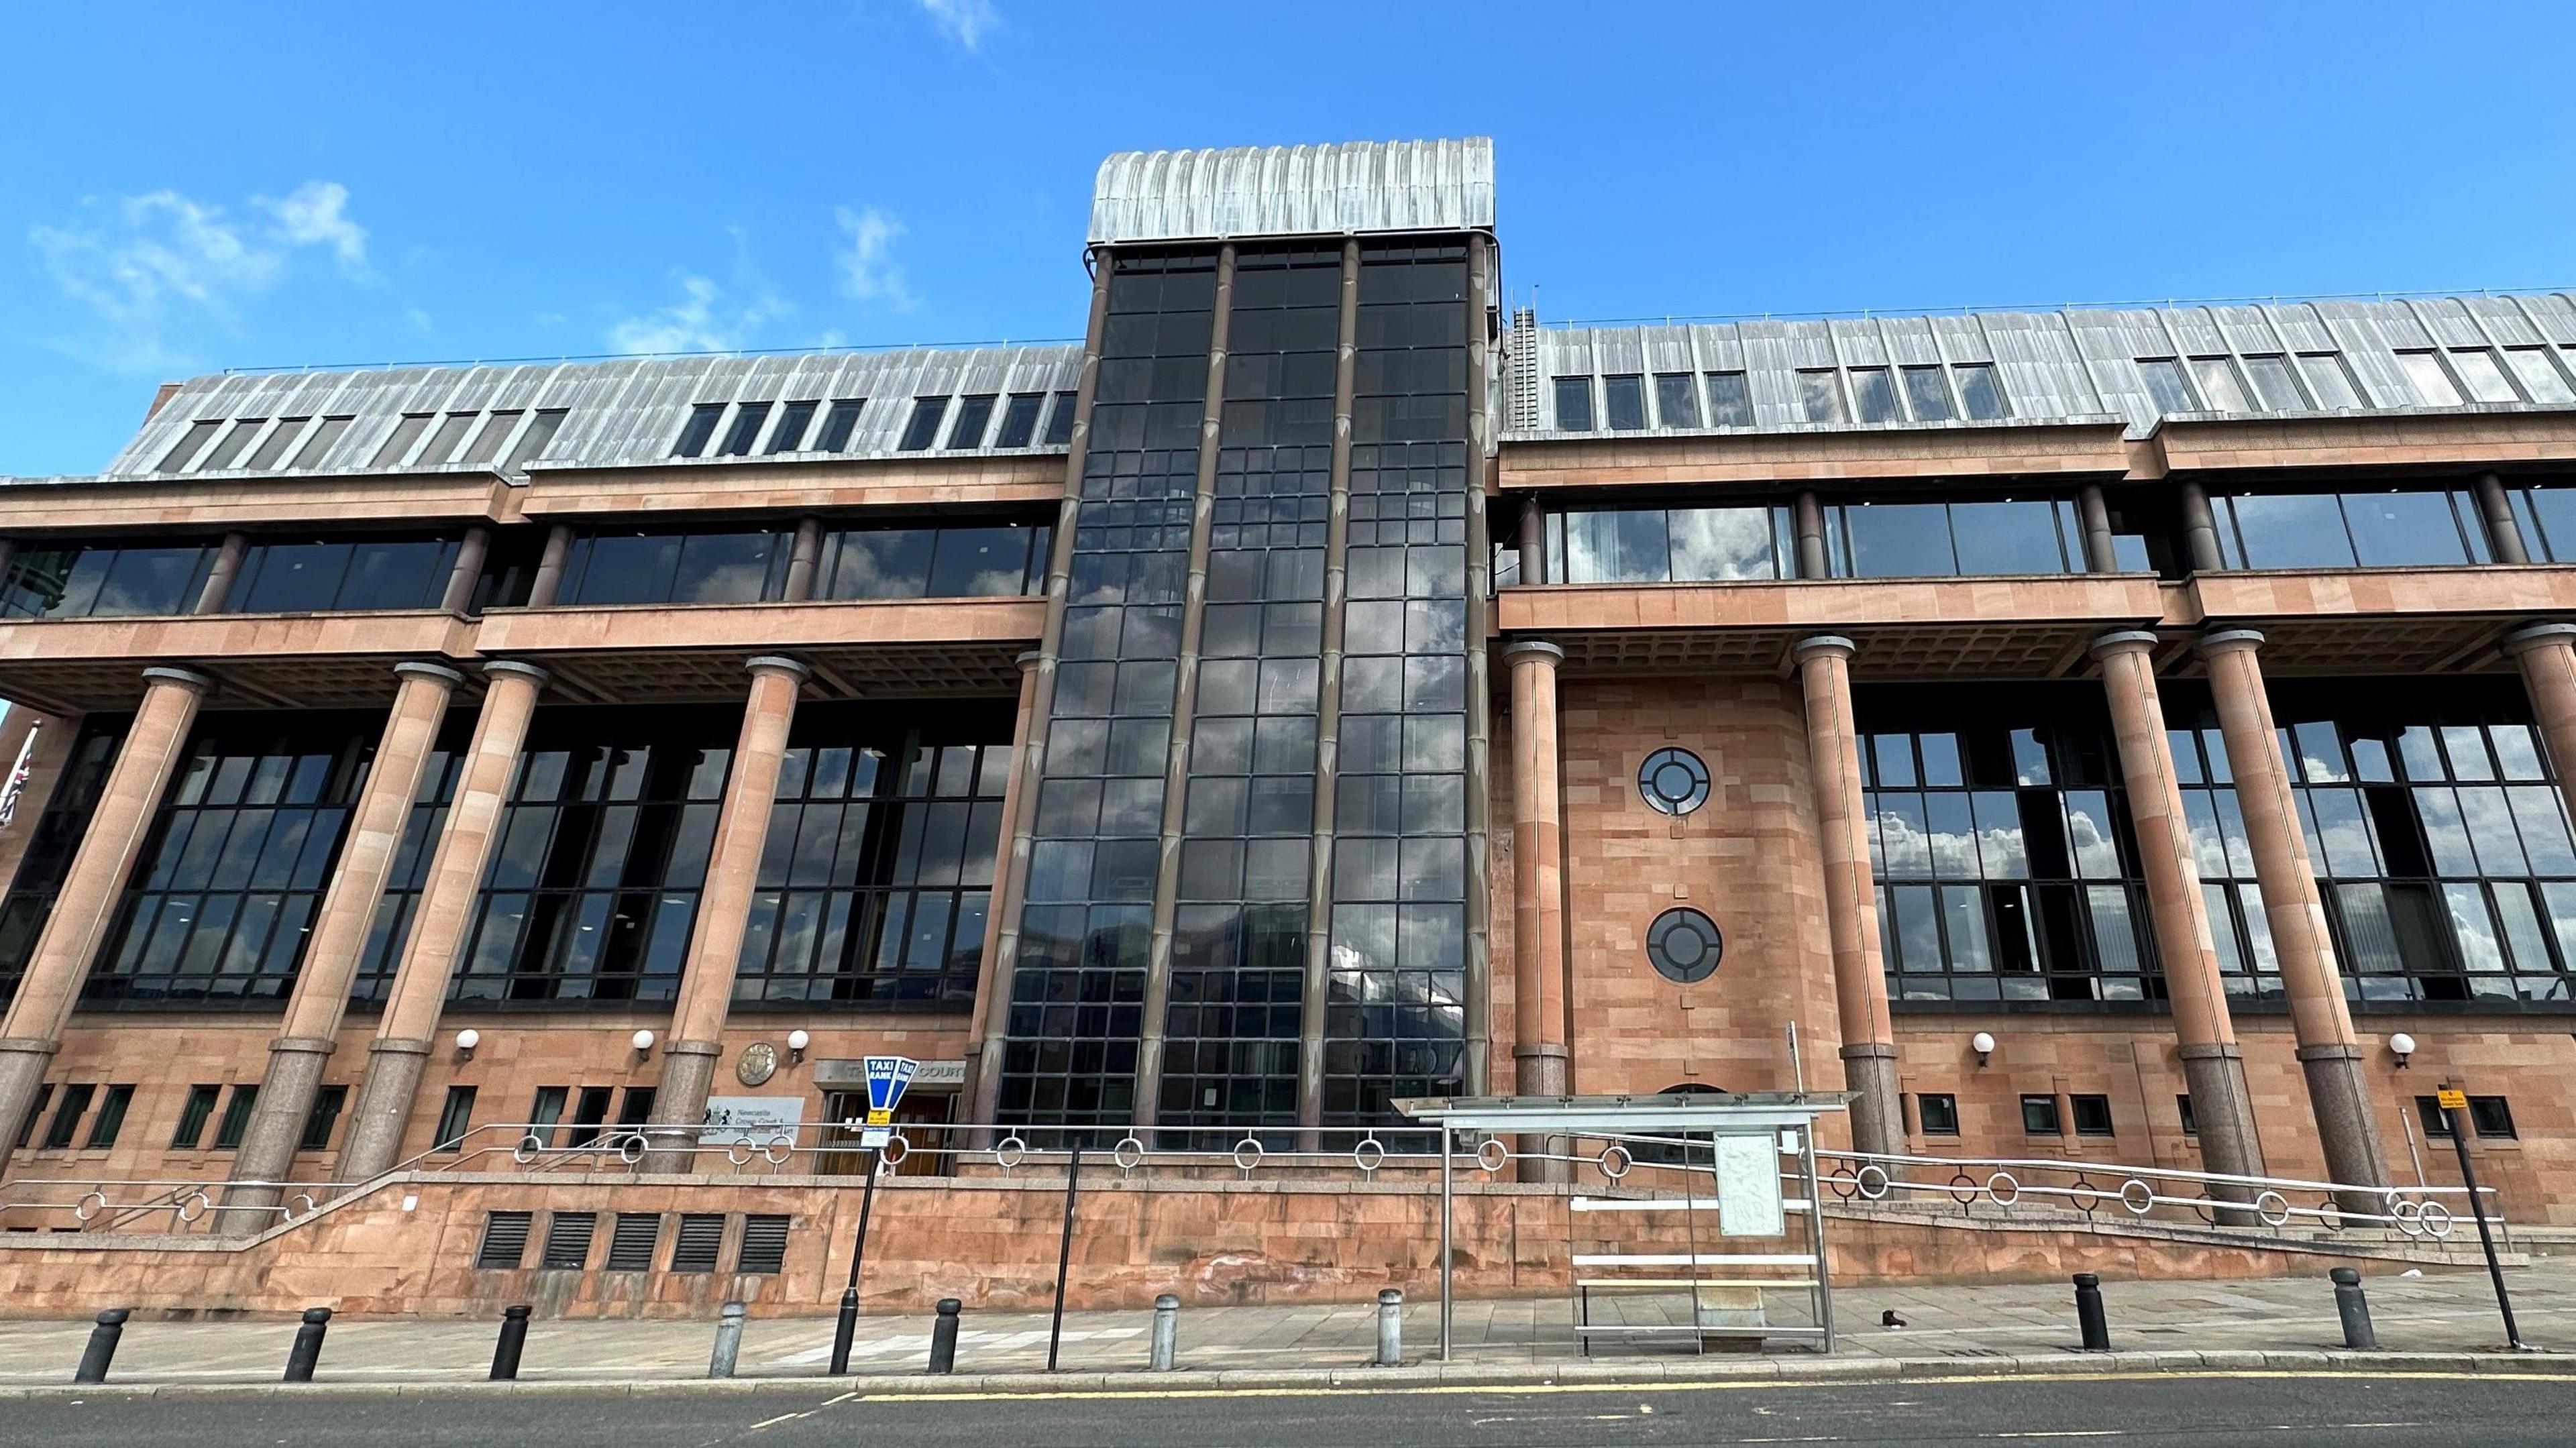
630, 1242
701, 1237
568, 1241
505, 1240
764, 1244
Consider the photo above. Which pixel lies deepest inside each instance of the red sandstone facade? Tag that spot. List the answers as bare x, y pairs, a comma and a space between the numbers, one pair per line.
1772, 683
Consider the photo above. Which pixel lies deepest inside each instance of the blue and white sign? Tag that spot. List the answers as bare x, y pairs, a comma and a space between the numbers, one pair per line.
887, 1076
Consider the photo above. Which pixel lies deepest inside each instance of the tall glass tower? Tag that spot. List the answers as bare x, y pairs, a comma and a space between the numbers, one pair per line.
1247, 886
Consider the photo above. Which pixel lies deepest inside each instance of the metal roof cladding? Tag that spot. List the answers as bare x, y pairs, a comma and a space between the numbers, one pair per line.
1338, 190
623, 412
2081, 364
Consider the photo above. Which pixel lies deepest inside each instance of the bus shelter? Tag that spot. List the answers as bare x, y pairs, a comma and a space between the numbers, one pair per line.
1760, 1172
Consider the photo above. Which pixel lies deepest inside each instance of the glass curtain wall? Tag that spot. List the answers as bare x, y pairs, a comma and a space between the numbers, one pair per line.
2439, 840
77, 580
1928, 540
878, 870
2394, 528
222, 897
1086, 926
1395, 1021
1239, 923
57, 833
2001, 841
1671, 545
602, 851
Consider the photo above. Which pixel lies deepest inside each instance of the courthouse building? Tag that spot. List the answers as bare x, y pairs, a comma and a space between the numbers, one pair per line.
2094, 732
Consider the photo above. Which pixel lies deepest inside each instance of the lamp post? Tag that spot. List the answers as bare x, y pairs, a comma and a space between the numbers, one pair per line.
844, 1331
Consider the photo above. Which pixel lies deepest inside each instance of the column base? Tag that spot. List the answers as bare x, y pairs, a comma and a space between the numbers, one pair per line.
680, 1106
23, 1060
2340, 1097
394, 1069
267, 1154
1542, 1070
2224, 1109
1878, 1110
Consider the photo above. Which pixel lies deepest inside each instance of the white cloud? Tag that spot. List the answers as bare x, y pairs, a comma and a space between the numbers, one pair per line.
866, 263
148, 265
317, 214
705, 319
967, 22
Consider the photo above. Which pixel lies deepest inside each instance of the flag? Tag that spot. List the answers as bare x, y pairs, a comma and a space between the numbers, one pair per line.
18, 777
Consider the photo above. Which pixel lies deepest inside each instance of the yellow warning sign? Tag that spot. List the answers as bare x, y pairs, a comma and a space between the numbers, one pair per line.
2450, 1100
880, 1117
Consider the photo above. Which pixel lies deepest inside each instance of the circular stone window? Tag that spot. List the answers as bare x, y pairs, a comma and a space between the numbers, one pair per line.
1684, 945
1673, 781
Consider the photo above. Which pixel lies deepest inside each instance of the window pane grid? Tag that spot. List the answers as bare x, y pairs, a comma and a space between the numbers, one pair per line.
1078, 984
2001, 850
223, 893
878, 869
1394, 1014
601, 853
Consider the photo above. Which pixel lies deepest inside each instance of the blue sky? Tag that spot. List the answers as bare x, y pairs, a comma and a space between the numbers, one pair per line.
185, 188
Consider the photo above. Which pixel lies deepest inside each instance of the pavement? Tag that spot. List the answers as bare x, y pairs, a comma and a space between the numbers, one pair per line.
2208, 1409
1984, 1329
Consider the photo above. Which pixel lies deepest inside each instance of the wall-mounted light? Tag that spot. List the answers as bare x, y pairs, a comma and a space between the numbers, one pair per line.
1983, 1045
466, 1041
643, 1042
2401, 1046
797, 1041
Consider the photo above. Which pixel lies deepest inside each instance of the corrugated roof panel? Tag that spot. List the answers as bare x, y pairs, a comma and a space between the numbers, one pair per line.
620, 411
2078, 363
1335, 190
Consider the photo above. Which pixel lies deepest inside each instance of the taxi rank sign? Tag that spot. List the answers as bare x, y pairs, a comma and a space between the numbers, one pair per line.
887, 1076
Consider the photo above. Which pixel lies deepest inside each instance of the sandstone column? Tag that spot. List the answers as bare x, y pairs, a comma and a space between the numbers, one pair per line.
2213, 1067
400, 1051
2546, 653
321, 996
992, 993
715, 943
1851, 897
2329, 1052
1539, 1055
33, 1028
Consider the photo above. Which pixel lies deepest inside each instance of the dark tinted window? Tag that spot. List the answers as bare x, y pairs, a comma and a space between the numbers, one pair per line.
923, 429
2039, 1116
1627, 402
1977, 390
745, 430
2345, 530
974, 414
1925, 540
1730, 402
837, 425
694, 433
1574, 404
1059, 428
326, 575
1938, 1113
1676, 400
2491, 1117
2092, 1115
76, 581
194, 1113
792, 422
1020, 420
676, 567
932, 562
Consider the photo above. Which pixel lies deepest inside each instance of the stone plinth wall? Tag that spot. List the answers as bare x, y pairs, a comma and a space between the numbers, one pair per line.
408, 1248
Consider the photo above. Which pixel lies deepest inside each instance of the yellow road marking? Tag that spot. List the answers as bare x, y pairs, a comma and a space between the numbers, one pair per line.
1727, 1385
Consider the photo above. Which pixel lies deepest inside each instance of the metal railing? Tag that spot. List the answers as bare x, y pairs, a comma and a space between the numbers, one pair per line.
2100, 1191
2032, 1187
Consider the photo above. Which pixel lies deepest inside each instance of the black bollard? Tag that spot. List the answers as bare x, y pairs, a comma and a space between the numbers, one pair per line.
2088, 1313
102, 1346
943, 1337
2354, 1308
308, 1345
505, 1352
